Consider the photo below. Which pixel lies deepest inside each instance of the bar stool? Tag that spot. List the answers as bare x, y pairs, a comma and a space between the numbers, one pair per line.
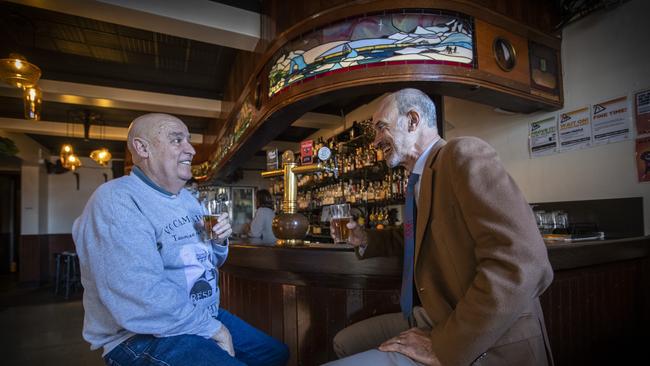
58, 257
70, 277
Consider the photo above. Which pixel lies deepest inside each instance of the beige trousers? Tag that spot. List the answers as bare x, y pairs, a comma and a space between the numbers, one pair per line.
370, 333
356, 344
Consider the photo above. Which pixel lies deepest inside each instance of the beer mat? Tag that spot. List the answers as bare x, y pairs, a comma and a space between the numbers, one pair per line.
329, 246
574, 237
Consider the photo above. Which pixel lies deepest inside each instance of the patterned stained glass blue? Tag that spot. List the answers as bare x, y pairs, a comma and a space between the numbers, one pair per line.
423, 37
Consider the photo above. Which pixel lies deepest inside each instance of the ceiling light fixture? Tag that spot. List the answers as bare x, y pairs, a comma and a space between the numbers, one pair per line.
68, 158
66, 150
17, 71
32, 101
101, 156
72, 162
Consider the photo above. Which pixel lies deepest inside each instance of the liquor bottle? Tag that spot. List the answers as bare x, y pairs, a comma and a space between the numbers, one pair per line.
352, 194
358, 159
364, 192
357, 192
380, 155
379, 191
372, 218
349, 163
371, 192
368, 157
386, 221
379, 217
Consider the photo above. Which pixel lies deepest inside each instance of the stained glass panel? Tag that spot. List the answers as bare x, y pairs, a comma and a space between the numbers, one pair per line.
417, 37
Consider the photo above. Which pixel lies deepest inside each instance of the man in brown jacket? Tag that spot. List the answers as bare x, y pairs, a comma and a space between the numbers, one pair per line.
478, 261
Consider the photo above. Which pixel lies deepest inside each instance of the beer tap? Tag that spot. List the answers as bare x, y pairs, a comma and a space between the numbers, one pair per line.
290, 227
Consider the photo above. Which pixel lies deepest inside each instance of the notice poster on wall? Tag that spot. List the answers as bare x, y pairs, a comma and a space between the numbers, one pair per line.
642, 111
542, 138
643, 158
574, 130
610, 121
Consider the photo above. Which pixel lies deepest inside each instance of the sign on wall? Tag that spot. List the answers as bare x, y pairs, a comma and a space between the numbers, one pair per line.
574, 130
642, 111
542, 138
611, 121
643, 158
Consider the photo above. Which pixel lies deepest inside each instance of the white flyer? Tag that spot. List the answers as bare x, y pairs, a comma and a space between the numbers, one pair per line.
574, 130
542, 138
611, 121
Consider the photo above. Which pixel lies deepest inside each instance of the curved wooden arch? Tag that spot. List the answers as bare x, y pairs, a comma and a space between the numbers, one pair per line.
484, 84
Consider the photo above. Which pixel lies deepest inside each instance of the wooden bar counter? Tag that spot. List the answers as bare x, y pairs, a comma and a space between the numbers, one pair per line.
597, 309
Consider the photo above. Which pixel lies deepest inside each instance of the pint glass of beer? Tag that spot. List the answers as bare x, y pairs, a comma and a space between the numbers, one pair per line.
340, 216
212, 209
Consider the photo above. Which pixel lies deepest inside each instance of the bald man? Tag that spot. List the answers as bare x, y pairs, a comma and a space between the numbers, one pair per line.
150, 280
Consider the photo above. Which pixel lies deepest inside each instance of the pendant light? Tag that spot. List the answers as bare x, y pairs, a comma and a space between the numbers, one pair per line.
66, 150
73, 162
17, 71
101, 156
68, 158
32, 101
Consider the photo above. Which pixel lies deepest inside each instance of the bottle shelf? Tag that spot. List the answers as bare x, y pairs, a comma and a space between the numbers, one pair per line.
369, 173
368, 204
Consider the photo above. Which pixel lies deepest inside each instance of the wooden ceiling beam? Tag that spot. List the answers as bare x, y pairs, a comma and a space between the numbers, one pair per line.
50, 128
109, 97
199, 20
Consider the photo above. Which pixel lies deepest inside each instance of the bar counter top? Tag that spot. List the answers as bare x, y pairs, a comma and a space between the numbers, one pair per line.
338, 259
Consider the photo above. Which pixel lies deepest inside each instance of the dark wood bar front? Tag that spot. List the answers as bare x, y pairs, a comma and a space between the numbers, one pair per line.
597, 308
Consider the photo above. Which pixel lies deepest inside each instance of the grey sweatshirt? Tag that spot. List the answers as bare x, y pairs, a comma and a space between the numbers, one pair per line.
144, 267
262, 225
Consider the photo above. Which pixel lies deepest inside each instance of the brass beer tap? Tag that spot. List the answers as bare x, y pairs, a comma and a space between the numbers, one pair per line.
290, 227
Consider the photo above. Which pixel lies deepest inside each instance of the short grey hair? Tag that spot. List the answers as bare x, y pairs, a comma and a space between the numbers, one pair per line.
414, 99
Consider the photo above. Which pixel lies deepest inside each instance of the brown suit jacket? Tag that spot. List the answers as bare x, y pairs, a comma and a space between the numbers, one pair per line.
480, 261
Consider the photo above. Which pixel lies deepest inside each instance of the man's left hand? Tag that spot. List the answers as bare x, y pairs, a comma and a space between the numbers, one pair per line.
222, 229
414, 344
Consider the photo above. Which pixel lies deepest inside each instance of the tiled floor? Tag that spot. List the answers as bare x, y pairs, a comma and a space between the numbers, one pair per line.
39, 328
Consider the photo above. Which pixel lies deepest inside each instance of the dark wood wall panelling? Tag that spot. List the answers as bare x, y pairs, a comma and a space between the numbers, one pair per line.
595, 316
37, 256
599, 315
539, 14
306, 318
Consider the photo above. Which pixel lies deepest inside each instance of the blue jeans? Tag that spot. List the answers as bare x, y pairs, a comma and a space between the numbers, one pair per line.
252, 347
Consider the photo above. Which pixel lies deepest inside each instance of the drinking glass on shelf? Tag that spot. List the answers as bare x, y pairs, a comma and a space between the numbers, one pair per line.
539, 219
547, 222
339, 218
561, 220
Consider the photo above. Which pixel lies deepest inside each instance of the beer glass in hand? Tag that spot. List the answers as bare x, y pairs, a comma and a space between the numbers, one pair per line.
213, 210
340, 216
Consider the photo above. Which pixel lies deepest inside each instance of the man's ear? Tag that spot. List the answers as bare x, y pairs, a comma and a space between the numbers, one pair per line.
413, 120
141, 147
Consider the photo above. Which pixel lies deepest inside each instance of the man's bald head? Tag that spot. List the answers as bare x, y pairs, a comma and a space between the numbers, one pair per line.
160, 147
148, 127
